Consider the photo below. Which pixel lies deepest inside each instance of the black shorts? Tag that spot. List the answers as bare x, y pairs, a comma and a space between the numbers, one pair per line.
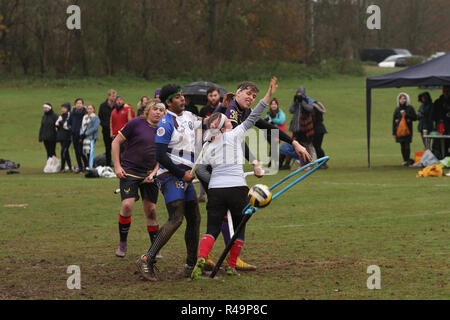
220, 200
129, 189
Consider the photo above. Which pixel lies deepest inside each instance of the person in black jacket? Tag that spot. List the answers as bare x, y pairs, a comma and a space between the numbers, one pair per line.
319, 131
64, 136
75, 121
441, 117
104, 114
47, 132
404, 109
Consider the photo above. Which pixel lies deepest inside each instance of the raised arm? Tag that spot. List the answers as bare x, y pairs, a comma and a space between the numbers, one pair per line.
262, 105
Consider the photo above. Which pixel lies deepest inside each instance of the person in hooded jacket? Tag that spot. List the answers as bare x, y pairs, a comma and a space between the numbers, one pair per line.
404, 109
47, 131
424, 116
64, 137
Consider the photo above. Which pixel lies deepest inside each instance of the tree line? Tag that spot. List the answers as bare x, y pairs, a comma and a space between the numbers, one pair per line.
141, 37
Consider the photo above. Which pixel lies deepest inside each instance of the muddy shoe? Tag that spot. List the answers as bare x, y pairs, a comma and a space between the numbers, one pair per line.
146, 268
121, 250
231, 271
209, 263
198, 269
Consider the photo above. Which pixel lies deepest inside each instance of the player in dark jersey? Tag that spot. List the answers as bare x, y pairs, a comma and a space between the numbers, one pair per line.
136, 168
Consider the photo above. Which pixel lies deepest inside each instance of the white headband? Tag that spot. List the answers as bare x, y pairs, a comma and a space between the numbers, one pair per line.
223, 118
47, 106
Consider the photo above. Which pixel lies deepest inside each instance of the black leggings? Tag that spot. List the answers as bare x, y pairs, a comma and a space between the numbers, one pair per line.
65, 154
406, 150
221, 200
50, 147
177, 210
78, 146
317, 143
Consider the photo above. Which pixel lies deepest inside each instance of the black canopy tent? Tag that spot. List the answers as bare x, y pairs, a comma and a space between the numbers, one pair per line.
432, 73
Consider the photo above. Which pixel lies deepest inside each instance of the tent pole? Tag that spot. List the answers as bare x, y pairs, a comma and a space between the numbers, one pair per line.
368, 114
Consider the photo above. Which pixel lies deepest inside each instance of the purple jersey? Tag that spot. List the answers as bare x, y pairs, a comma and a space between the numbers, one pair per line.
139, 157
236, 114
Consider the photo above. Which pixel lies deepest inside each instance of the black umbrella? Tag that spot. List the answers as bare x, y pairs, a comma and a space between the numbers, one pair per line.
196, 91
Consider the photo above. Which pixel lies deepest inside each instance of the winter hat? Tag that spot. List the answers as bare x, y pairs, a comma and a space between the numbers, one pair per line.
66, 105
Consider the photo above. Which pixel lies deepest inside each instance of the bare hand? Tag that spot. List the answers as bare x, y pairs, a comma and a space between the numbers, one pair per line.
257, 169
273, 86
272, 89
188, 177
120, 173
301, 151
149, 179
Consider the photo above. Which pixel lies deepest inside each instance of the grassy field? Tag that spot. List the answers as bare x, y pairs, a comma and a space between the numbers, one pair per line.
316, 242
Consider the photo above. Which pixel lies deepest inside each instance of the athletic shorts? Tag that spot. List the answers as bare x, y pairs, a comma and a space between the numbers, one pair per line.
172, 189
130, 186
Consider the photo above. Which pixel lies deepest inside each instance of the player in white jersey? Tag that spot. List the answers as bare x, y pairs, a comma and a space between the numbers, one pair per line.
175, 146
227, 186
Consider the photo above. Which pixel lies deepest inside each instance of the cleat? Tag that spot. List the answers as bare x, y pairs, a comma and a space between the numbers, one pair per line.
231, 271
146, 268
159, 256
188, 270
242, 265
121, 251
198, 269
209, 264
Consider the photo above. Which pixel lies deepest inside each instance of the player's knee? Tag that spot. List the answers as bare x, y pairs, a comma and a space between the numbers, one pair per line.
127, 208
176, 212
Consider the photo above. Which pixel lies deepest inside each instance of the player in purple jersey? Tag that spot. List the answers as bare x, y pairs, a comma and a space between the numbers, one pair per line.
136, 168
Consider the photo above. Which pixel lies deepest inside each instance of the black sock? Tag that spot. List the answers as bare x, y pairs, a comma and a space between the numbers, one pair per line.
124, 228
152, 232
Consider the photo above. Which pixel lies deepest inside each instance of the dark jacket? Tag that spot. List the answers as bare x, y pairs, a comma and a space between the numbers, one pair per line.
104, 113
319, 127
424, 117
75, 120
47, 132
410, 117
63, 133
441, 112
297, 108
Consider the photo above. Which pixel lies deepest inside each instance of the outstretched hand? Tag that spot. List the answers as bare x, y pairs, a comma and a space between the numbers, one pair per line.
272, 89
301, 151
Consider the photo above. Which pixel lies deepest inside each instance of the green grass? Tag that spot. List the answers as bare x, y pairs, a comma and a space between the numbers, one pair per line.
315, 242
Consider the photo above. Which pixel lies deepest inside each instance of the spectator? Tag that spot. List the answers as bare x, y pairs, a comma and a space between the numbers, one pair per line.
142, 104
302, 125
404, 109
75, 121
213, 95
47, 132
104, 114
441, 117
424, 116
191, 107
89, 133
276, 116
63, 135
319, 130
120, 116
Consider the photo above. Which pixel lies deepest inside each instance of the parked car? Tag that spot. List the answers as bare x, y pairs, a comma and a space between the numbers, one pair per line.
378, 55
436, 55
391, 62
409, 61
